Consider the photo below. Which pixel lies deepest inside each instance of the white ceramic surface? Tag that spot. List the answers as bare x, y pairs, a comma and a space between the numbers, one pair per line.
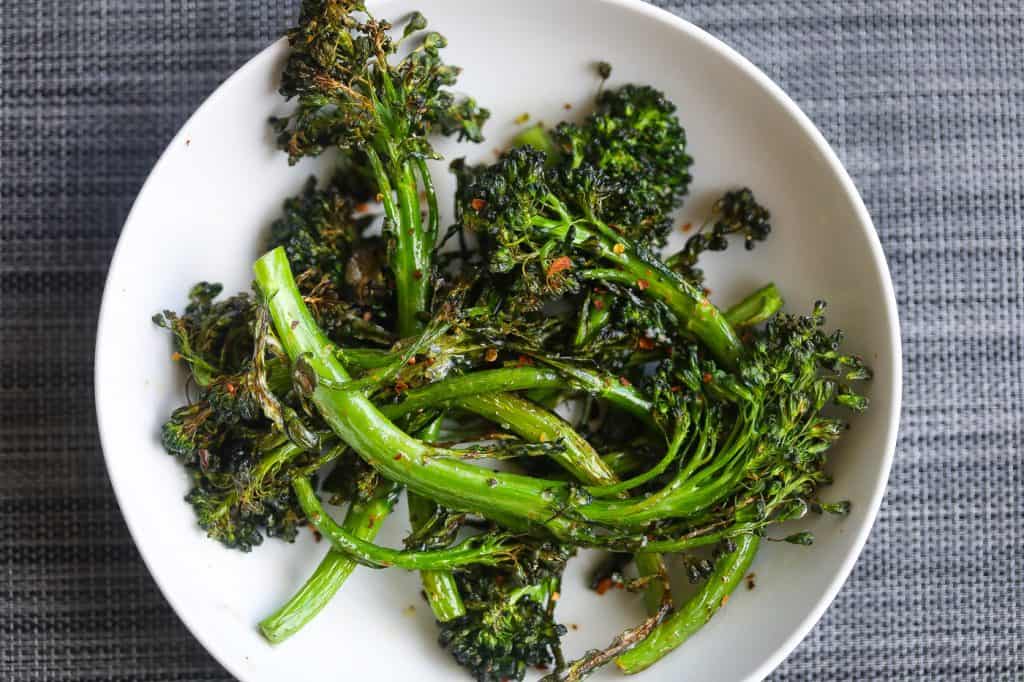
221, 182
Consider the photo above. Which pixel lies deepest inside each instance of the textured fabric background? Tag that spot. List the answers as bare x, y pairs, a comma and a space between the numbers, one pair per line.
924, 102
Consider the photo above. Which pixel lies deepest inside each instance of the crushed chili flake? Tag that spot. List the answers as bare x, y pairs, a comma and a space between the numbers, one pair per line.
367, 316
725, 599
599, 304
686, 227
401, 386
417, 274
643, 284
751, 578
397, 456
372, 520
706, 377
555, 596
525, 360
176, 356
624, 381
478, 204
491, 354
230, 388
411, 361
675, 389
362, 208
707, 292
645, 343
603, 585
541, 666
558, 265
294, 324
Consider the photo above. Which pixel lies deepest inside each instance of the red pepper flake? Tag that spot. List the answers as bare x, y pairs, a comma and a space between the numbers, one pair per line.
428, 362
401, 386
751, 581
725, 599
541, 666
175, 356
645, 343
686, 227
603, 585
675, 389
371, 521
620, 586
231, 388
558, 265
367, 316
707, 292
478, 204
491, 354
316, 534
294, 324
525, 360
643, 284
417, 274
362, 207
398, 456
624, 381
555, 596
598, 304
411, 361
706, 377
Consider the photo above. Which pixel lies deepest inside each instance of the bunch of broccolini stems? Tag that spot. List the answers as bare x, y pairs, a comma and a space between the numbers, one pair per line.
368, 363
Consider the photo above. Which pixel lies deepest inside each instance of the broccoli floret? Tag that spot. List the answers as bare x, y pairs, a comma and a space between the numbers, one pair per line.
737, 212
637, 146
509, 624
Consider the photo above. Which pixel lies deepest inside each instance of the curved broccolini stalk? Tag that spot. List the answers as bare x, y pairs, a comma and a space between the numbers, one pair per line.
486, 549
697, 611
363, 521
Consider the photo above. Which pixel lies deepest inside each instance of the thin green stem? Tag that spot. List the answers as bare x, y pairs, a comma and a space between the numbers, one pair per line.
696, 612
536, 424
362, 520
440, 587
485, 549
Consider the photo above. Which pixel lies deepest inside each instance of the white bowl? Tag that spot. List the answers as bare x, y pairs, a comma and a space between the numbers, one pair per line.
203, 212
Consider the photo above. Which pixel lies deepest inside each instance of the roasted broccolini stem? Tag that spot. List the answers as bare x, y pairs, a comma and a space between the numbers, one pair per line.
697, 611
484, 549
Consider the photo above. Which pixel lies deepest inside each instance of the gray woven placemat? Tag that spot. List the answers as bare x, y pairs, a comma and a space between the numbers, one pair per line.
924, 101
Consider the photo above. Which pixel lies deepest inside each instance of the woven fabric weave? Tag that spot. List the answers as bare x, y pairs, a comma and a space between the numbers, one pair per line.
923, 101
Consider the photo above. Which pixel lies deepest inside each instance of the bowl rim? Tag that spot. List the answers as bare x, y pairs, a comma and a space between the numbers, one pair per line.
716, 45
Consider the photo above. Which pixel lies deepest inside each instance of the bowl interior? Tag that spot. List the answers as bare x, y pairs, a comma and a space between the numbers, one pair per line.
203, 212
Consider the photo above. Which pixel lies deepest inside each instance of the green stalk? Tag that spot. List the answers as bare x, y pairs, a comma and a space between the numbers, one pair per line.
476, 550
523, 378
697, 611
483, 381
440, 587
536, 424
362, 520
755, 308
411, 263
